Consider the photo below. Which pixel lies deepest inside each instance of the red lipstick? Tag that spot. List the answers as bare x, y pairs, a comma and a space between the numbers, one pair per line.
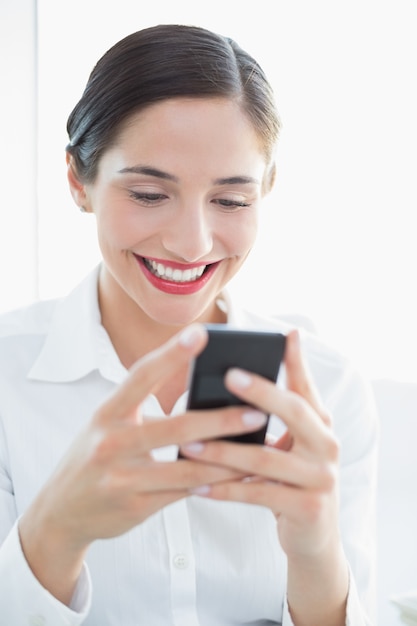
172, 286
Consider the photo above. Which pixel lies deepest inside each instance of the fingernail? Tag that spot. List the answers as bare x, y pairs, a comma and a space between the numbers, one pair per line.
193, 448
238, 378
254, 418
190, 336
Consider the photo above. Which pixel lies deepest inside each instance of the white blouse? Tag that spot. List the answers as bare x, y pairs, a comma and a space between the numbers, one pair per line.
196, 562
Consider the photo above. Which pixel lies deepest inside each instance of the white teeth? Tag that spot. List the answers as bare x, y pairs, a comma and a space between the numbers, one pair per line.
176, 275
187, 275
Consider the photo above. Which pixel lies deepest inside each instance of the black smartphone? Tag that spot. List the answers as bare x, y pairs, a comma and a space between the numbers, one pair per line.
260, 352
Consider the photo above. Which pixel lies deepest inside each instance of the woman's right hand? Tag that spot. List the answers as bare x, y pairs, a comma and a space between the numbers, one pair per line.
108, 481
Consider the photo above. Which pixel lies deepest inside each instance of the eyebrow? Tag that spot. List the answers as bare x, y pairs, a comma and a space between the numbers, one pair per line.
236, 180
152, 171
148, 171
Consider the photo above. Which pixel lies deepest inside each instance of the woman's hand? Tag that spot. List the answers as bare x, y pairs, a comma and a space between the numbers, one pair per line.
108, 482
297, 479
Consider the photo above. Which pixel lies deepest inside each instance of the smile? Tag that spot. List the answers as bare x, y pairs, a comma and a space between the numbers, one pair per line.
174, 275
173, 279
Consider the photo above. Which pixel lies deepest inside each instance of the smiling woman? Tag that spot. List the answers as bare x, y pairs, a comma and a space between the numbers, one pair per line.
171, 148
173, 213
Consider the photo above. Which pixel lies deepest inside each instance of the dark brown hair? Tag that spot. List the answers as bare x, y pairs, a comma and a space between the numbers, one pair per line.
162, 62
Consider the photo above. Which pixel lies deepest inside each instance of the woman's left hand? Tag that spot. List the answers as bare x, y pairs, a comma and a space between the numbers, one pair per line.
297, 476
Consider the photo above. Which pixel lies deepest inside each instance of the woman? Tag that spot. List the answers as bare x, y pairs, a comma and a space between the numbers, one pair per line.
172, 149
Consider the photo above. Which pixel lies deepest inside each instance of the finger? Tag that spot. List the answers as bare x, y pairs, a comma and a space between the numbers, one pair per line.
295, 411
153, 476
136, 440
295, 503
265, 462
298, 375
151, 371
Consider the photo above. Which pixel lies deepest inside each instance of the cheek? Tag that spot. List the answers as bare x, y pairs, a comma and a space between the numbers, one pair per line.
241, 236
119, 227
112, 233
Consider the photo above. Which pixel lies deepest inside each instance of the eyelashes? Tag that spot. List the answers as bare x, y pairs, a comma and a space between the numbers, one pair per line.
152, 199
232, 203
147, 199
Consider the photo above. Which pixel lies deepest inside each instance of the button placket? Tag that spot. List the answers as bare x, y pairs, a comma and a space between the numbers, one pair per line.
182, 565
180, 561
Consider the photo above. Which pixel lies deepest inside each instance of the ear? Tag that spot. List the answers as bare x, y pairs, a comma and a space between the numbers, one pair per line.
77, 188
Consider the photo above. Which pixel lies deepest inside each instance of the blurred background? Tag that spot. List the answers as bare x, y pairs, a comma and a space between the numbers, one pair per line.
338, 235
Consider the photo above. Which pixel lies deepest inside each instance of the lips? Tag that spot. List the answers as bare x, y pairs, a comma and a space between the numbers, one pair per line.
175, 278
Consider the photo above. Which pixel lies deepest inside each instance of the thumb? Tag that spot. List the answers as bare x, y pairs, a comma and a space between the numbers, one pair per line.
150, 372
299, 378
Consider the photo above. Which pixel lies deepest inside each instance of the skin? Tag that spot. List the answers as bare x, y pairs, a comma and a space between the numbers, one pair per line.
197, 207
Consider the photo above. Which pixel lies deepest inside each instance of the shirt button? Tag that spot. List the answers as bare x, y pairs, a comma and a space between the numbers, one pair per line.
37, 620
180, 561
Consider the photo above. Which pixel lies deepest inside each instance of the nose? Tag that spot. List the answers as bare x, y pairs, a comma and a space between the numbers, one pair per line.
189, 235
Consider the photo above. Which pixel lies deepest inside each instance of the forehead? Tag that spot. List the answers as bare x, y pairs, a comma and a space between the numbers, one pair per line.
207, 130
183, 115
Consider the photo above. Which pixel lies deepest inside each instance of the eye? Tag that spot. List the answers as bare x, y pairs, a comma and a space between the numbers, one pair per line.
232, 204
147, 198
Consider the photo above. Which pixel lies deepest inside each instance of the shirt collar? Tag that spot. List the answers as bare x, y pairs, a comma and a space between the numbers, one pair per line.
76, 343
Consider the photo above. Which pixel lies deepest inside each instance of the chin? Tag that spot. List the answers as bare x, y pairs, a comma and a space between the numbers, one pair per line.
181, 316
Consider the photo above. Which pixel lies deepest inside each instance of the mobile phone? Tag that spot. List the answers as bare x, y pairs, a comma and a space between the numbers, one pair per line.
258, 351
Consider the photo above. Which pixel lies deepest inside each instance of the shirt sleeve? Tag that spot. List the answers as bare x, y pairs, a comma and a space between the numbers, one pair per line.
23, 600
